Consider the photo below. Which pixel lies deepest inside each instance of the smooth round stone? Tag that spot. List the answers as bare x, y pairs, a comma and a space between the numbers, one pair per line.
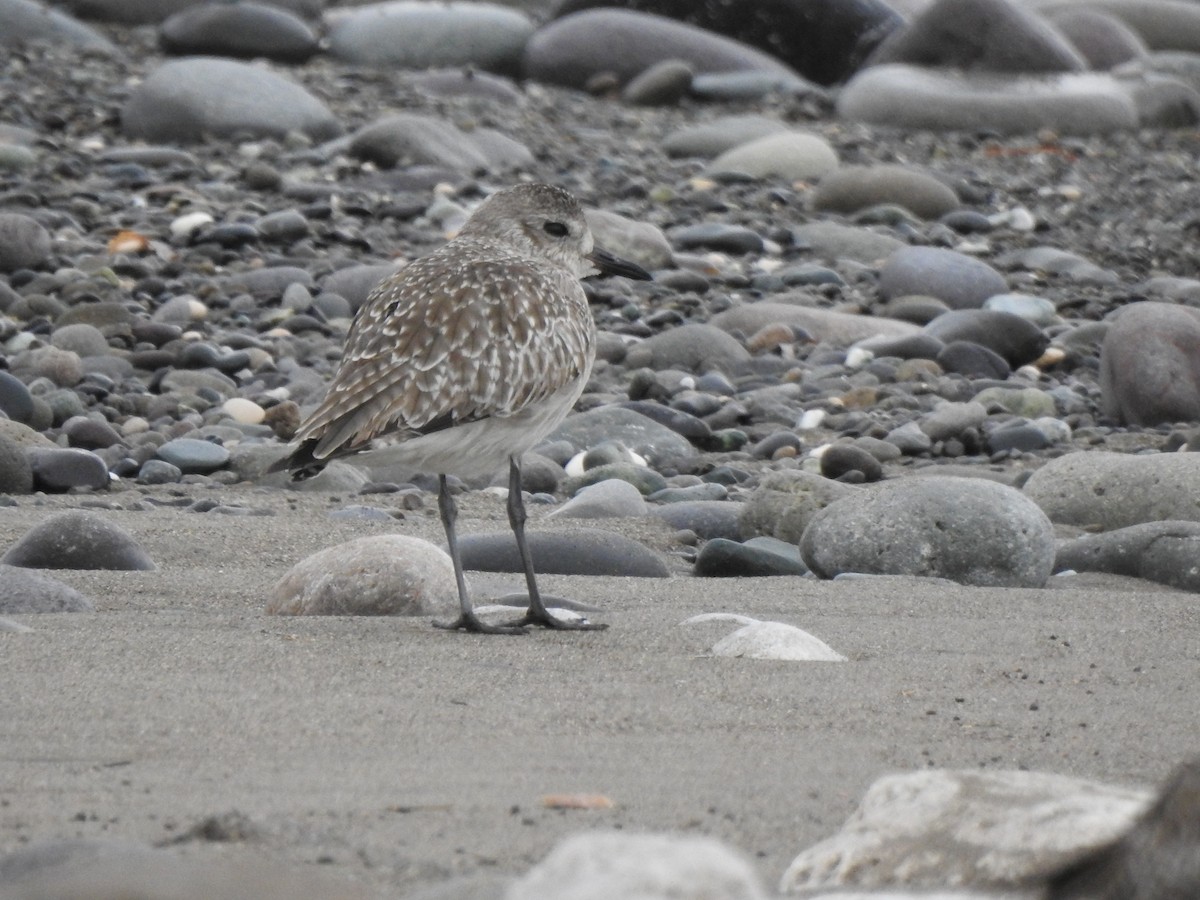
705, 491
590, 552
245, 30
961, 281
825, 40
910, 439
949, 420
656, 443
188, 100
185, 381
23, 592
1037, 310
381, 575
639, 242
691, 427
1012, 337
1054, 261
90, 434
284, 225
854, 188
193, 456
775, 640
1102, 490
789, 155
157, 471
613, 497
1103, 40
972, 360
24, 243
80, 338
1021, 437
972, 531
468, 83
16, 158
646, 481
1030, 403
270, 282
696, 348
734, 87
833, 241
409, 139
718, 236
61, 470
22, 21
722, 558
247, 412
355, 283
78, 540
16, 475
712, 138
572, 50
707, 518
903, 96
419, 35
914, 346
1165, 552
15, 400
1150, 365
823, 325
663, 84
785, 502
841, 460
985, 35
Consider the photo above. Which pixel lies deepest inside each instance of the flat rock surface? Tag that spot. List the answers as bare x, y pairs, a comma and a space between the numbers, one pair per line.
402, 756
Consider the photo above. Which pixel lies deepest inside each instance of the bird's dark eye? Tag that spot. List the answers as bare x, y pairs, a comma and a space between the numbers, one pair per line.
555, 229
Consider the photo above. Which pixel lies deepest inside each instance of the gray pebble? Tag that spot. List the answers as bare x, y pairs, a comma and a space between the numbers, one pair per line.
23, 592
78, 540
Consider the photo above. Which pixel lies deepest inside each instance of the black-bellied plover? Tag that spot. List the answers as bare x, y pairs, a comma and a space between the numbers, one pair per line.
468, 357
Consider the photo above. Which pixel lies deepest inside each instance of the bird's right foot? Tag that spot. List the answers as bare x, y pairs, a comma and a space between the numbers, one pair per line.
472, 622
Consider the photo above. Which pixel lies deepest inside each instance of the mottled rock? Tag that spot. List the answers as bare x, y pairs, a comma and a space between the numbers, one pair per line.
381, 575
1150, 364
786, 501
962, 281
24, 243
1157, 551
967, 530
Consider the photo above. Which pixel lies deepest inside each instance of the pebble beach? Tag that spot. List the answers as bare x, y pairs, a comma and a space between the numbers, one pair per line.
887, 473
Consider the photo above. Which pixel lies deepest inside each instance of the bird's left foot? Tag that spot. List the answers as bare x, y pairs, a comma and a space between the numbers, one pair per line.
547, 619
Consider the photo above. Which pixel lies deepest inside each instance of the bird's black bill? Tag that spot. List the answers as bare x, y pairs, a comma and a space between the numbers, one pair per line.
614, 265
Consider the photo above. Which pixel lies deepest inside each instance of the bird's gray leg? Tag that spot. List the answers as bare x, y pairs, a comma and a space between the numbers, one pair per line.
467, 620
537, 614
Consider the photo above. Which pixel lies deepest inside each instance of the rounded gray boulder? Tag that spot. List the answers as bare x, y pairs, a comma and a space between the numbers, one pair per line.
968, 530
1150, 365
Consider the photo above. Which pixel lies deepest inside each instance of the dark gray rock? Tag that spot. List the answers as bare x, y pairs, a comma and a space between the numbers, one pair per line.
573, 50
663, 84
60, 470
971, 531
1102, 39
707, 518
77, 540
591, 552
15, 400
721, 558
842, 460
984, 35
1157, 551
187, 100
1150, 364
1014, 338
246, 30
23, 591
973, 360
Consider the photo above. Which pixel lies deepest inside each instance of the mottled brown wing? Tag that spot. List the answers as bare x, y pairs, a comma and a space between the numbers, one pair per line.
453, 338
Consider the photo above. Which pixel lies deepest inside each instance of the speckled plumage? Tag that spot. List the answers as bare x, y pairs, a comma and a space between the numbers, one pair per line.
468, 357
492, 328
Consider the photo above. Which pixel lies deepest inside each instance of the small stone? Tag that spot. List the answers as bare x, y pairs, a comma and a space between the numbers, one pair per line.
194, 457
78, 540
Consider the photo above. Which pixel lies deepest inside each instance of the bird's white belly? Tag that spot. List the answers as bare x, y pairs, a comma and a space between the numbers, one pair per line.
477, 449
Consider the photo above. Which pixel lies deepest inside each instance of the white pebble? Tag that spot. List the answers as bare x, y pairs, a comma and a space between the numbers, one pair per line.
858, 357
247, 412
189, 224
811, 419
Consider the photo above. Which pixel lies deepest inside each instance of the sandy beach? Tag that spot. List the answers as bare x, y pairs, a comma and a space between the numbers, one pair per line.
383, 751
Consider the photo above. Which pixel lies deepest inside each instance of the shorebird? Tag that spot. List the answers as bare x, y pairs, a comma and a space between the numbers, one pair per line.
468, 357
